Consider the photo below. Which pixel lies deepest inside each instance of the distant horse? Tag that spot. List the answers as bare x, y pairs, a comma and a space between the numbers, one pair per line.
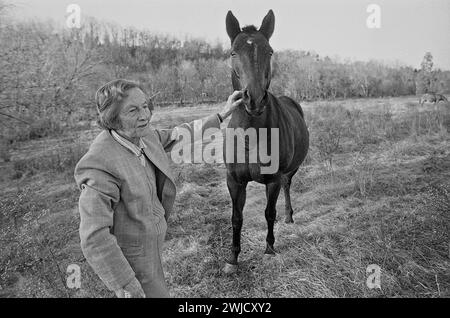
251, 74
432, 98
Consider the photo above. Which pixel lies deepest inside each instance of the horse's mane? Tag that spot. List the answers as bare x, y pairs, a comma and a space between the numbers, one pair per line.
249, 29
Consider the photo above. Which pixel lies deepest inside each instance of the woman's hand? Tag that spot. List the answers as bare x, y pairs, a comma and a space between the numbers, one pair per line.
234, 100
132, 290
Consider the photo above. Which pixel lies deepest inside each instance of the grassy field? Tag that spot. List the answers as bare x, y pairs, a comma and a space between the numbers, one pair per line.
375, 189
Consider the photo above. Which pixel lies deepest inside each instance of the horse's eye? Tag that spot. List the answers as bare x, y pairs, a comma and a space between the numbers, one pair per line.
233, 54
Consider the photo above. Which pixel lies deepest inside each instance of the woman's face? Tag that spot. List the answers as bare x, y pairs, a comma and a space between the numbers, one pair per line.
135, 114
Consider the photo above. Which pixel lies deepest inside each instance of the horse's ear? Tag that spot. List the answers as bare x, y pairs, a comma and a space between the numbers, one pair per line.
268, 25
233, 28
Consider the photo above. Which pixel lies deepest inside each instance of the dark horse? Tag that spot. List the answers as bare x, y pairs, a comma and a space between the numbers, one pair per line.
251, 73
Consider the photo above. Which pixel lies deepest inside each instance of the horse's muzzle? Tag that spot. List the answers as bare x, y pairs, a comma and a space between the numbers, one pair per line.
252, 108
254, 113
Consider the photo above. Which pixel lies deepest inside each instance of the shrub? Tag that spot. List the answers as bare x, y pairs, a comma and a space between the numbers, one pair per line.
25, 244
4, 150
428, 122
328, 126
364, 129
362, 173
37, 129
61, 161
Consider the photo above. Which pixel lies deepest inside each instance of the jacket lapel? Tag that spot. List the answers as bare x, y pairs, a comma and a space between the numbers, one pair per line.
165, 182
157, 156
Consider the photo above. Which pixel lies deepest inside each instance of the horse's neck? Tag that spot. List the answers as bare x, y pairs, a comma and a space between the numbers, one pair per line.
271, 114
268, 119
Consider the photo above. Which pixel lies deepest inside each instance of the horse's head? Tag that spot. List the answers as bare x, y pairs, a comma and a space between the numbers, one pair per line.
250, 61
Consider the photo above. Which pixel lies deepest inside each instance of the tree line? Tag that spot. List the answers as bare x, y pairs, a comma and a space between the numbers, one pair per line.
49, 75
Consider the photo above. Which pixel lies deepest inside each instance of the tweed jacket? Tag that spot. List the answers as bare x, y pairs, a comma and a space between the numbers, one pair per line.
115, 202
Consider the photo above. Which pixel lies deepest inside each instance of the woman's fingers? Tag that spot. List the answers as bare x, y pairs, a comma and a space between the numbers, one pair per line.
235, 95
237, 103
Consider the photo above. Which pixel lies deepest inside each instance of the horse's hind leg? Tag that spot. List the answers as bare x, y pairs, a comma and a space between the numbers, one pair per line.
287, 197
272, 192
238, 195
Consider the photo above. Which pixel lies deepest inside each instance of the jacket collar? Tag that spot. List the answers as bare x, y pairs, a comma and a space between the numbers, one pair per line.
154, 153
138, 151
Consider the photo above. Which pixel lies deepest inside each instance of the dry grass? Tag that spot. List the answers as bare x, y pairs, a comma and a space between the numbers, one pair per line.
384, 201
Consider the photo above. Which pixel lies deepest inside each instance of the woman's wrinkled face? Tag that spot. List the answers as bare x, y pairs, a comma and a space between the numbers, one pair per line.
135, 114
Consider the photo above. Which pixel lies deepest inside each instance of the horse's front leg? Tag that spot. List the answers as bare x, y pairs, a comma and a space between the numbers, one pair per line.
237, 192
272, 192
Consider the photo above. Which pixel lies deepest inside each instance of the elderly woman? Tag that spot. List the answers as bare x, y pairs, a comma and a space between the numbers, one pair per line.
127, 190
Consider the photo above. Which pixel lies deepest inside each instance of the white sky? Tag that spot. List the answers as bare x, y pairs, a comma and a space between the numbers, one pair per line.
409, 28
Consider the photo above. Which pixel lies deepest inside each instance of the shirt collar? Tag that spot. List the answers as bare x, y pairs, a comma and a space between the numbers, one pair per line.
138, 151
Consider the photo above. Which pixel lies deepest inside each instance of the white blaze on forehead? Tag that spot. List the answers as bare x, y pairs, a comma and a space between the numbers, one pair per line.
255, 47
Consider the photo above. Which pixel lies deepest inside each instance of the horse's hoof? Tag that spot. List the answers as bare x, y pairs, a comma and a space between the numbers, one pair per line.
289, 220
269, 257
230, 269
269, 251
